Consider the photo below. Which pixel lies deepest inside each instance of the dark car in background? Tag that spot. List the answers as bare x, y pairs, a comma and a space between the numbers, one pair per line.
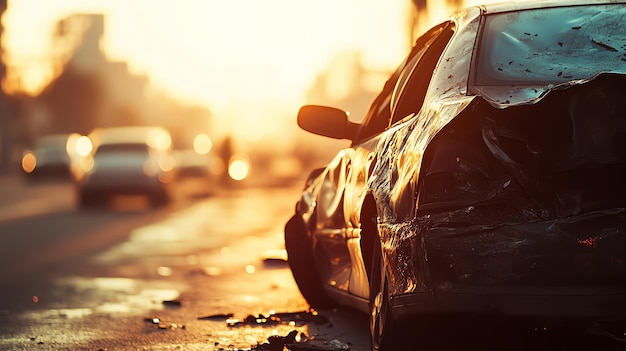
54, 156
133, 160
487, 177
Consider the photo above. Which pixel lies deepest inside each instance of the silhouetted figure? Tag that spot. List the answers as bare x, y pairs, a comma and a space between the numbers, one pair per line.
226, 153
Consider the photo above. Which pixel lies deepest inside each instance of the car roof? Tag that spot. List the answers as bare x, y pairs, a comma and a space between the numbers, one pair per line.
53, 139
500, 7
156, 137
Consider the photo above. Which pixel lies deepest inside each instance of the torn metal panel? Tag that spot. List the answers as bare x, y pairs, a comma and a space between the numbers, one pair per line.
506, 194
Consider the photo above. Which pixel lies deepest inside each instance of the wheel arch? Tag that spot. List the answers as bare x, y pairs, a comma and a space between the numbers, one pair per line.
369, 232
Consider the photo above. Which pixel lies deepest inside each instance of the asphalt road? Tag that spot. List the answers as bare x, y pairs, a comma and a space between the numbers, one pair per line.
206, 272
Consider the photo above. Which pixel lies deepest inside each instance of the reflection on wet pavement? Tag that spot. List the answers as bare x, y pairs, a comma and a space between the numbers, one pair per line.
216, 256
191, 235
103, 295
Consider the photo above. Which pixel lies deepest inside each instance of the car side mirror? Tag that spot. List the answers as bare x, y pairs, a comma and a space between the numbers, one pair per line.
327, 121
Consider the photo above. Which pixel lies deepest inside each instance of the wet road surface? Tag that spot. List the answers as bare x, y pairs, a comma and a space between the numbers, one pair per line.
206, 272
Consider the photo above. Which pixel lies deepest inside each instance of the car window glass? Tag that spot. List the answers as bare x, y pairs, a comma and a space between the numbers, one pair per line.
379, 113
413, 83
577, 42
378, 117
122, 148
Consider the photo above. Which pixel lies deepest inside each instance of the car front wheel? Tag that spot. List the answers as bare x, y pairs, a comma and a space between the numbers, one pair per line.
302, 263
89, 200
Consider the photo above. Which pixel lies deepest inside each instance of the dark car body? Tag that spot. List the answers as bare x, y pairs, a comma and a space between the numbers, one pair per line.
487, 177
52, 156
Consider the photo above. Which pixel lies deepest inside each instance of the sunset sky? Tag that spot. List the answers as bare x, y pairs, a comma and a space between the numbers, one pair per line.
217, 53
221, 54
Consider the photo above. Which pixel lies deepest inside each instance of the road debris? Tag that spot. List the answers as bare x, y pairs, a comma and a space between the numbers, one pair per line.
158, 322
288, 318
274, 258
153, 320
295, 342
218, 316
173, 303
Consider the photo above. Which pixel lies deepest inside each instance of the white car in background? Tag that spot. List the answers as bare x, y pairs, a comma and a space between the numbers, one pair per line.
127, 161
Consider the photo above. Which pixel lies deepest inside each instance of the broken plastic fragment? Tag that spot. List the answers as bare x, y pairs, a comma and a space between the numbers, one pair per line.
217, 316
173, 303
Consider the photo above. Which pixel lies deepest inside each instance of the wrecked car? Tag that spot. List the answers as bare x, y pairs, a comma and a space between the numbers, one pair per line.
487, 177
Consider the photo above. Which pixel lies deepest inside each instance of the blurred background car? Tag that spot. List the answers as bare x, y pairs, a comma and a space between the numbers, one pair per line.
195, 160
127, 161
55, 156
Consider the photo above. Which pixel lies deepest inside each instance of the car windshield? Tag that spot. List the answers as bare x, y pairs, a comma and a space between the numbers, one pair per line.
553, 45
126, 148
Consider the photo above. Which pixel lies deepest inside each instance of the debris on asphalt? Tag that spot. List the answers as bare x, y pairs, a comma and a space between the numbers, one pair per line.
252, 320
278, 343
309, 316
274, 258
173, 303
153, 320
158, 322
218, 316
289, 318
292, 342
171, 326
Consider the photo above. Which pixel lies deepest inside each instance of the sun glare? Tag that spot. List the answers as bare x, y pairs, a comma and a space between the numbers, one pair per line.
220, 54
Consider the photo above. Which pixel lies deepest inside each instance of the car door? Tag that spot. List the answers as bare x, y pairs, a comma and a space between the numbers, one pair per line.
345, 185
336, 251
393, 179
409, 119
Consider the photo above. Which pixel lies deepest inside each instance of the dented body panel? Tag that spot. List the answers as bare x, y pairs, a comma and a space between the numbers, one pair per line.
489, 197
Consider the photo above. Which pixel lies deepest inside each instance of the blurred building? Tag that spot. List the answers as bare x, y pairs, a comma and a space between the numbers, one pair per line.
5, 112
91, 90
345, 83
427, 13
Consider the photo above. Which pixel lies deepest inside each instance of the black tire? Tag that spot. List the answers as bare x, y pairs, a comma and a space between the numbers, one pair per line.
87, 200
385, 333
159, 198
302, 263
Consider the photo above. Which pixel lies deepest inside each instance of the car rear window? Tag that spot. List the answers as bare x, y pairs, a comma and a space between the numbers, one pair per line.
122, 148
552, 45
